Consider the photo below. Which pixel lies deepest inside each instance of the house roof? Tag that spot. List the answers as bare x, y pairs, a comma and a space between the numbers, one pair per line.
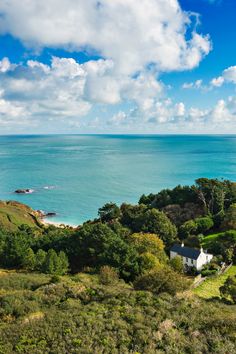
186, 251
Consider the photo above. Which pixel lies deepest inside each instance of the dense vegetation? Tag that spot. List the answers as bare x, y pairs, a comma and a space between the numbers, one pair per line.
130, 298
80, 314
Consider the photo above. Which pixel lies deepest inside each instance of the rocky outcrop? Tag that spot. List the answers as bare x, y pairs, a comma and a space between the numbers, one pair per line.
24, 191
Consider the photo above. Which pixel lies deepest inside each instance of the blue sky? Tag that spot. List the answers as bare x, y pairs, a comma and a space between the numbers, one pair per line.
117, 67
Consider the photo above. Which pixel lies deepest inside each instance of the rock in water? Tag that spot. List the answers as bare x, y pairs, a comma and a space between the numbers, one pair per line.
24, 191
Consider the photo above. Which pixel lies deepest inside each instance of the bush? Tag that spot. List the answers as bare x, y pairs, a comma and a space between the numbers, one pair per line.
228, 290
177, 264
204, 224
208, 272
108, 275
55, 279
162, 280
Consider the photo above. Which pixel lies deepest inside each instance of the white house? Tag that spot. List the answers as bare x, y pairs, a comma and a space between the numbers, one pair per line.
191, 257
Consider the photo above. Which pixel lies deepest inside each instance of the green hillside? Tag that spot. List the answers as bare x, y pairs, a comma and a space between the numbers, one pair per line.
79, 314
14, 214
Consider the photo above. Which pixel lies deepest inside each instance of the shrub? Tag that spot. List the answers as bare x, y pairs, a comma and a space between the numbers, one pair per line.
177, 264
108, 275
228, 290
162, 280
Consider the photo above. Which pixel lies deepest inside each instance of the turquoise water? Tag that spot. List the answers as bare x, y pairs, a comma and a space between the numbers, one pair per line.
84, 172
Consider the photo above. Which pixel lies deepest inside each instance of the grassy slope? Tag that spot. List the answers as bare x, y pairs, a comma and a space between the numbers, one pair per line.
210, 288
209, 240
14, 214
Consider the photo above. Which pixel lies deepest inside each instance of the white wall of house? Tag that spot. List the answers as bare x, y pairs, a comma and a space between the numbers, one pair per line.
203, 258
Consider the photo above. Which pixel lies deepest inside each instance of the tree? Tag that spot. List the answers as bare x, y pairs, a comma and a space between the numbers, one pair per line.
177, 264
228, 290
63, 263
155, 221
230, 218
51, 262
148, 261
40, 259
150, 243
161, 280
187, 229
204, 224
29, 259
96, 245
109, 211
15, 248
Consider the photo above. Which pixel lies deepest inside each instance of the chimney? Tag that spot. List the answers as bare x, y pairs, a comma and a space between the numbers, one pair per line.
182, 244
201, 250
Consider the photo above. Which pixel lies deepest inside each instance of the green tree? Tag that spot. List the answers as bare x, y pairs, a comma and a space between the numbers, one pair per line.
51, 263
63, 263
177, 264
40, 258
95, 245
15, 248
188, 228
161, 280
204, 224
155, 221
29, 259
150, 243
148, 261
109, 211
229, 222
228, 290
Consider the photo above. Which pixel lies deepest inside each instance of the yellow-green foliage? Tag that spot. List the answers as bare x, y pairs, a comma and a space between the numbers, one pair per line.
146, 242
14, 214
80, 315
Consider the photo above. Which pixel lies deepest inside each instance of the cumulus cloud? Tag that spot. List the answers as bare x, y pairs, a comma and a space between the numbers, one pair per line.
174, 116
131, 33
136, 42
66, 88
217, 81
193, 85
228, 75
4, 65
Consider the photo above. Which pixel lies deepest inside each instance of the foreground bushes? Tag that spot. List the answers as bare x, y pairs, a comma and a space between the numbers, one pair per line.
79, 315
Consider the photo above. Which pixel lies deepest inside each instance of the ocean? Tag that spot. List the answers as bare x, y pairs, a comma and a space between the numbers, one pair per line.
74, 175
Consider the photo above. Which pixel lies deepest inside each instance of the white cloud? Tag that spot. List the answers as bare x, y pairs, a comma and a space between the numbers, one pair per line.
131, 33
4, 65
218, 81
230, 74
193, 85
67, 89
168, 116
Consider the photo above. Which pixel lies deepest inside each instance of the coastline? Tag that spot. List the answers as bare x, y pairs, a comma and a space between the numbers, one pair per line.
48, 222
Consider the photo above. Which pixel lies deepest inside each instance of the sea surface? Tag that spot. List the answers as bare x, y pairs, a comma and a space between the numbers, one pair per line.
74, 175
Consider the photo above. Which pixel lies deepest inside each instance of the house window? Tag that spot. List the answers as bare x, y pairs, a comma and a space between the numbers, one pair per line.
186, 259
192, 261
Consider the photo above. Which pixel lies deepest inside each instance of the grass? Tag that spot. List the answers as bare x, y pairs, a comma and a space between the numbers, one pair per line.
210, 287
209, 240
14, 214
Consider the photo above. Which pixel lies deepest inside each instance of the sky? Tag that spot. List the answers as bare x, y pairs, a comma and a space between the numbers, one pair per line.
117, 66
